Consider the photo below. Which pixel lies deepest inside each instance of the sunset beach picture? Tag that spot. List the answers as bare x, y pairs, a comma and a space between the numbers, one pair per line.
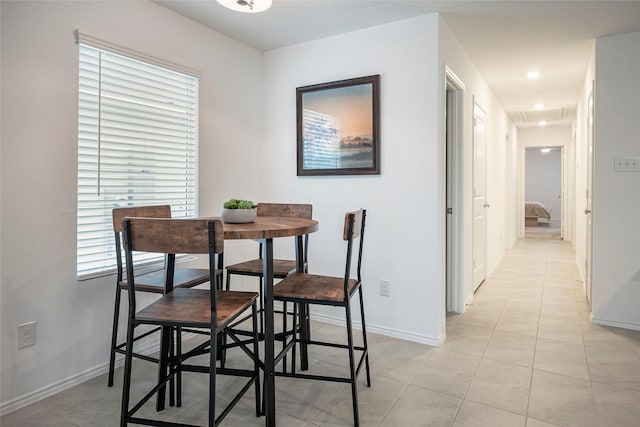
338, 130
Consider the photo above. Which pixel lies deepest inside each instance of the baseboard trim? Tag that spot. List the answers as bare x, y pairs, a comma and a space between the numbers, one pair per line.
622, 325
395, 333
71, 381
468, 302
497, 263
51, 389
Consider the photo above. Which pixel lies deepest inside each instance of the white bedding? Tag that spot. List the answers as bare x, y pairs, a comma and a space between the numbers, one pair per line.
536, 210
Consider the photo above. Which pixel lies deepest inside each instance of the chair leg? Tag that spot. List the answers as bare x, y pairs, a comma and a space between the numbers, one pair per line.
256, 357
162, 366
304, 334
213, 341
364, 338
222, 338
295, 329
126, 387
261, 308
284, 334
114, 337
352, 369
179, 363
172, 383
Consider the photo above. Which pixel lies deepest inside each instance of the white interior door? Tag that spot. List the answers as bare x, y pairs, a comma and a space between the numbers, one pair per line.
480, 204
589, 201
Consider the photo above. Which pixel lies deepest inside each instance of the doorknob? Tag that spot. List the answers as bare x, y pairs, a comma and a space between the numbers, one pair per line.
587, 211
487, 205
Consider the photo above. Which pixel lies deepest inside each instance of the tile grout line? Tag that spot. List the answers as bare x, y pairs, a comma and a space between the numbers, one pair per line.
535, 350
475, 372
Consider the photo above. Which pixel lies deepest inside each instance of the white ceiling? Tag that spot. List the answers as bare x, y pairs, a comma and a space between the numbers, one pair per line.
505, 39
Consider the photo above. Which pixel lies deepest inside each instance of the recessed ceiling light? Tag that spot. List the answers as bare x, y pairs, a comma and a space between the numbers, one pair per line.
533, 74
539, 106
542, 123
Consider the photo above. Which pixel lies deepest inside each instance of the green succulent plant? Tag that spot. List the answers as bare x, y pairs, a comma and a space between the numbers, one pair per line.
239, 204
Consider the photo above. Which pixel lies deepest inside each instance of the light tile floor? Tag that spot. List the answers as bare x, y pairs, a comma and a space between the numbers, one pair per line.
524, 354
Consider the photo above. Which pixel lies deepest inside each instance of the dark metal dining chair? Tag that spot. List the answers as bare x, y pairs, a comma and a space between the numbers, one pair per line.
281, 267
151, 282
213, 310
309, 289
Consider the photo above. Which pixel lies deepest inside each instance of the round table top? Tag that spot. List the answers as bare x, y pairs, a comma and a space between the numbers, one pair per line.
267, 227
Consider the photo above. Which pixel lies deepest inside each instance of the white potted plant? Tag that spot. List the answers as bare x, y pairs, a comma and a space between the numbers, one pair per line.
237, 211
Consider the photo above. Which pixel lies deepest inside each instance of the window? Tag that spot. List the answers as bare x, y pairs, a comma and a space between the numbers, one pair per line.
137, 145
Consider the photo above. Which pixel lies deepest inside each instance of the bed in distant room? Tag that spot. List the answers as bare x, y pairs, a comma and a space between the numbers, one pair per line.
534, 211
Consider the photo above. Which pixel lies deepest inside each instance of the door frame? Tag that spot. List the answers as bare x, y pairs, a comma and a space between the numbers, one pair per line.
589, 196
563, 186
478, 108
453, 148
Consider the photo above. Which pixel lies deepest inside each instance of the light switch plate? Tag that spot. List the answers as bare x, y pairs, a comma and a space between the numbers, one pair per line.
627, 164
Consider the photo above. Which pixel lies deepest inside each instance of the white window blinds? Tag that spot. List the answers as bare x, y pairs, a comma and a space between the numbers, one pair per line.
137, 145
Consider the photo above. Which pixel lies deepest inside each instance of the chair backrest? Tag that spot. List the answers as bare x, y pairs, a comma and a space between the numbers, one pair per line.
353, 229
285, 209
170, 236
119, 214
292, 210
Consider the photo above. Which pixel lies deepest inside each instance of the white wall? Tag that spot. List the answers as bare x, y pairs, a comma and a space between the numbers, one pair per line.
502, 143
39, 156
543, 180
616, 268
402, 202
512, 190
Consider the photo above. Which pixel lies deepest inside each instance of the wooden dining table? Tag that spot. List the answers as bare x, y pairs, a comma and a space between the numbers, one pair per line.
264, 229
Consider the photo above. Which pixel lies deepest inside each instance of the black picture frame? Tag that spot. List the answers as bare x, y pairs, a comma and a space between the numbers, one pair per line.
338, 127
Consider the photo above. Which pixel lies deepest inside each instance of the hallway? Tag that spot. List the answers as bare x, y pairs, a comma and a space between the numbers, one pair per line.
532, 313
525, 354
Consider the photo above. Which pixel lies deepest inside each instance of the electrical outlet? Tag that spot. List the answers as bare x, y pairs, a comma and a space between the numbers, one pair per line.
384, 288
26, 335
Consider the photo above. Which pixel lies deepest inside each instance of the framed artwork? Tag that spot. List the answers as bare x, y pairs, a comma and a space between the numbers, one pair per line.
338, 127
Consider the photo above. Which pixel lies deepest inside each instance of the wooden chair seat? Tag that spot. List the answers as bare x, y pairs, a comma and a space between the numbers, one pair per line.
301, 287
192, 308
281, 268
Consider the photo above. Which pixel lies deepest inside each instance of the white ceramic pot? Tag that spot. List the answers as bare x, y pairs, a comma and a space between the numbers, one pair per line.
238, 216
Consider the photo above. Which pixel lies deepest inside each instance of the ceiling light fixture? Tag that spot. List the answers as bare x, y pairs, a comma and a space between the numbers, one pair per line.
530, 75
247, 6
542, 123
539, 106
545, 150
